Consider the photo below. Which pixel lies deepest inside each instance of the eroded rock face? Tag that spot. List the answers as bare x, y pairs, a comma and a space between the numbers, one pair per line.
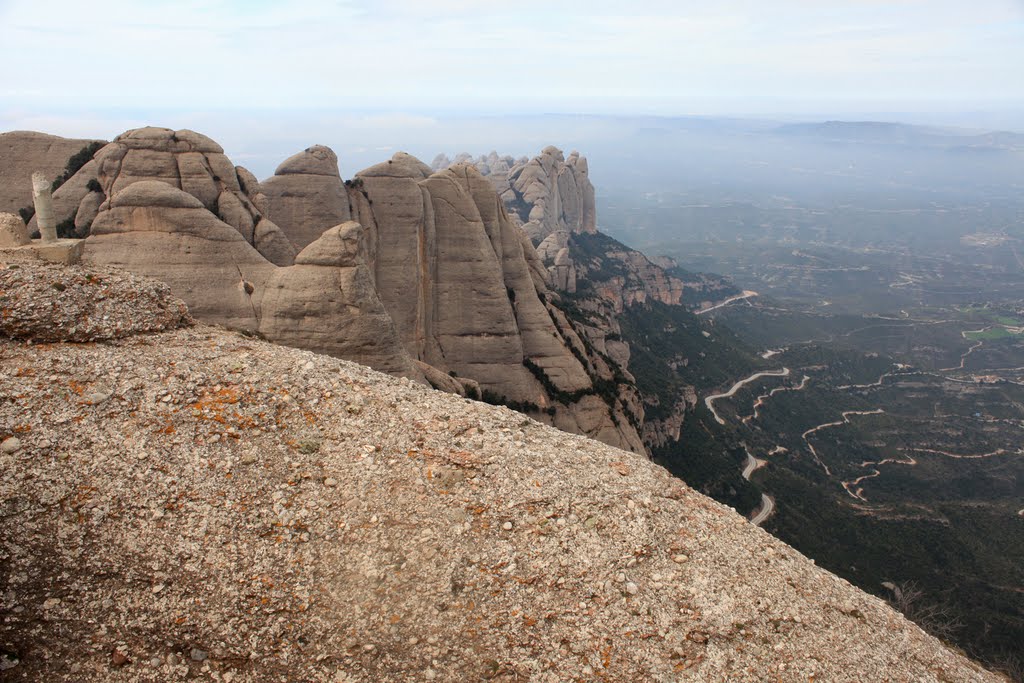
467, 295
306, 195
154, 229
552, 198
400, 245
182, 159
546, 194
327, 303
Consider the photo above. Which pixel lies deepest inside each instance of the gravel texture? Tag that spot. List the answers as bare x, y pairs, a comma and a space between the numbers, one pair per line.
198, 505
51, 303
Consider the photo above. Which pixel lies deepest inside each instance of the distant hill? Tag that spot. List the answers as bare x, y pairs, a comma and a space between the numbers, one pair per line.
887, 133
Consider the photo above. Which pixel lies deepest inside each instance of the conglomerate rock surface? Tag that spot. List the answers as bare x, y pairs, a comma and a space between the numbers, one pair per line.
102, 304
199, 504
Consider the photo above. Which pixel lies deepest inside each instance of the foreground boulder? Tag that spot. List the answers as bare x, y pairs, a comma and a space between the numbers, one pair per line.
42, 302
233, 510
13, 232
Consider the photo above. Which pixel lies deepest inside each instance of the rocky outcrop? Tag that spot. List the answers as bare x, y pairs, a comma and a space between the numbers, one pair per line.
154, 229
182, 159
547, 194
13, 232
62, 303
327, 303
23, 153
306, 195
624, 277
460, 282
399, 247
552, 199
42, 201
463, 287
201, 505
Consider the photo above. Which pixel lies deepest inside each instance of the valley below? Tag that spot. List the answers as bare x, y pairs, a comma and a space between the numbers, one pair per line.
887, 405
891, 437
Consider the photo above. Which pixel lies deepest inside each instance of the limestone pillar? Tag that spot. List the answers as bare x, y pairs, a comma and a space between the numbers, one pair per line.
44, 207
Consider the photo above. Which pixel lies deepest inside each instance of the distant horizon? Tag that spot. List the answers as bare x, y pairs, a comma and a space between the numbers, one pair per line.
260, 140
233, 69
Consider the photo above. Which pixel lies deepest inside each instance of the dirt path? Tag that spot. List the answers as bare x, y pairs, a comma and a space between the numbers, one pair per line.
763, 398
845, 420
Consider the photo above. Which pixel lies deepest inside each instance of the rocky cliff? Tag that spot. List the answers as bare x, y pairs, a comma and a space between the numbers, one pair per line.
635, 313
546, 194
185, 160
551, 197
464, 287
200, 504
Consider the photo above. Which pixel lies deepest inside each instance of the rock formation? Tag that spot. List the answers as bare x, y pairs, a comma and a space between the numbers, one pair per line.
327, 303
546, 194
461, 283
23, 153
550, 197
306, 195
553, 199
152, 228
13, 232
182, 159
196, 504
625, 276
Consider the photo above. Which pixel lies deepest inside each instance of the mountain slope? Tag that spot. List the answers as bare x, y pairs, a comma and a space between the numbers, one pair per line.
199, 503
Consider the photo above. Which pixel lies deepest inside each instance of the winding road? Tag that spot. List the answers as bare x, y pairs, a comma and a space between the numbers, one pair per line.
767, 508
709, 401
745, 295
763, 398
767, 502
845, 420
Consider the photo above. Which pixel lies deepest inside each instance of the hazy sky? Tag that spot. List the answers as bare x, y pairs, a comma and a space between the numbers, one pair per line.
95, 67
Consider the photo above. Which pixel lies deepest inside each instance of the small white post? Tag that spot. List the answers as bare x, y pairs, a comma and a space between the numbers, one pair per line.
44, 207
